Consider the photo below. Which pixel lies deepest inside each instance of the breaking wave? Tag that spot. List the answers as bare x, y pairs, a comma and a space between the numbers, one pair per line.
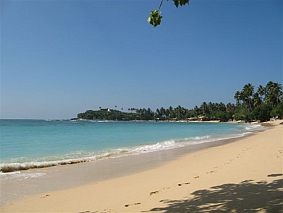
82, 157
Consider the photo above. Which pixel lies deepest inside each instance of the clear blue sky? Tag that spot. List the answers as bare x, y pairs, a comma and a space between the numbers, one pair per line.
60, 58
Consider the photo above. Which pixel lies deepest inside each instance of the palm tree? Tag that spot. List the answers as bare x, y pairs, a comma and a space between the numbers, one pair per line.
116, 111
139, 112
162, 112
230, 107
204, 109
158, 114
257, 101
171, 112
180, 112
197, 111
262, 92
273, 93
237, 96
247, 93
221, 107
211, 107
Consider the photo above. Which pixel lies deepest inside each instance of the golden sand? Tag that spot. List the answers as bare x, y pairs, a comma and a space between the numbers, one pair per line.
243, 176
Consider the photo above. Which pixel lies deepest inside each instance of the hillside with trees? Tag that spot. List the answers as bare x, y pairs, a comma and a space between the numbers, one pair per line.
252, 104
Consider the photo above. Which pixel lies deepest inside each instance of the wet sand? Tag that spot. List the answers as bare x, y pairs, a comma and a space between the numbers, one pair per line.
43, 180
178, 180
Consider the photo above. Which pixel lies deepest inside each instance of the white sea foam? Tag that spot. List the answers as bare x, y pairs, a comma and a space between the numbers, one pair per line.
81, 156
20, 176
13, 167
156, 147
71, 158
255, 127
171, 144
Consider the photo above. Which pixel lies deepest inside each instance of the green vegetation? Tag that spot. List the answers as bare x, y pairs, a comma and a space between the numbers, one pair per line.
155, 17
107, 114
261, 105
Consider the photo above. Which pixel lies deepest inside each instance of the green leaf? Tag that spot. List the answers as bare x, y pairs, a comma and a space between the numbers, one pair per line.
184, 2
154, 18
176, 2
180, 2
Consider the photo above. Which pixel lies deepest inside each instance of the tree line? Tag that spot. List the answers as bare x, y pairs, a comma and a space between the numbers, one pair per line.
262, 104
251, 104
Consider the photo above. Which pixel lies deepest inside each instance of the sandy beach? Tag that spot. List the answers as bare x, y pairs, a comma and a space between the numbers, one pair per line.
242, 176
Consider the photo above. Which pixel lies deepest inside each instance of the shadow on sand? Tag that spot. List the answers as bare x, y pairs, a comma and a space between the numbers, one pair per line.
247, 196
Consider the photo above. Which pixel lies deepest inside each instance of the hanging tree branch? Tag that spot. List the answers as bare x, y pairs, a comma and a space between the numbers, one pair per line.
161, 4
155, 17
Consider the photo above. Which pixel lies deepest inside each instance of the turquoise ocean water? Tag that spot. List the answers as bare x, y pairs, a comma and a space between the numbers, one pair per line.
29, 144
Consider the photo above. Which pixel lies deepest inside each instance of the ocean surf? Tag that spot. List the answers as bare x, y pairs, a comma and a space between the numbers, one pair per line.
30, 144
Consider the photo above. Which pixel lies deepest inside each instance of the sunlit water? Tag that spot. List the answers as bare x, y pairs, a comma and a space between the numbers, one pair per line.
29, 144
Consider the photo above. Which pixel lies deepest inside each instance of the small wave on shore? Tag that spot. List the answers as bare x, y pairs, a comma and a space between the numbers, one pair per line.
98, 143
255, 128
82, 157
20, 176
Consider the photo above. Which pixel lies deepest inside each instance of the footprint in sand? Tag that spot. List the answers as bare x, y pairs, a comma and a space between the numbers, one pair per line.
134, 204
196, 177
153, 193
212, 171
180, 184
228, 162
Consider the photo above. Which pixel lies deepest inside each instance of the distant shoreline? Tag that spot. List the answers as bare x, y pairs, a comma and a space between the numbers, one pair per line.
177, 121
